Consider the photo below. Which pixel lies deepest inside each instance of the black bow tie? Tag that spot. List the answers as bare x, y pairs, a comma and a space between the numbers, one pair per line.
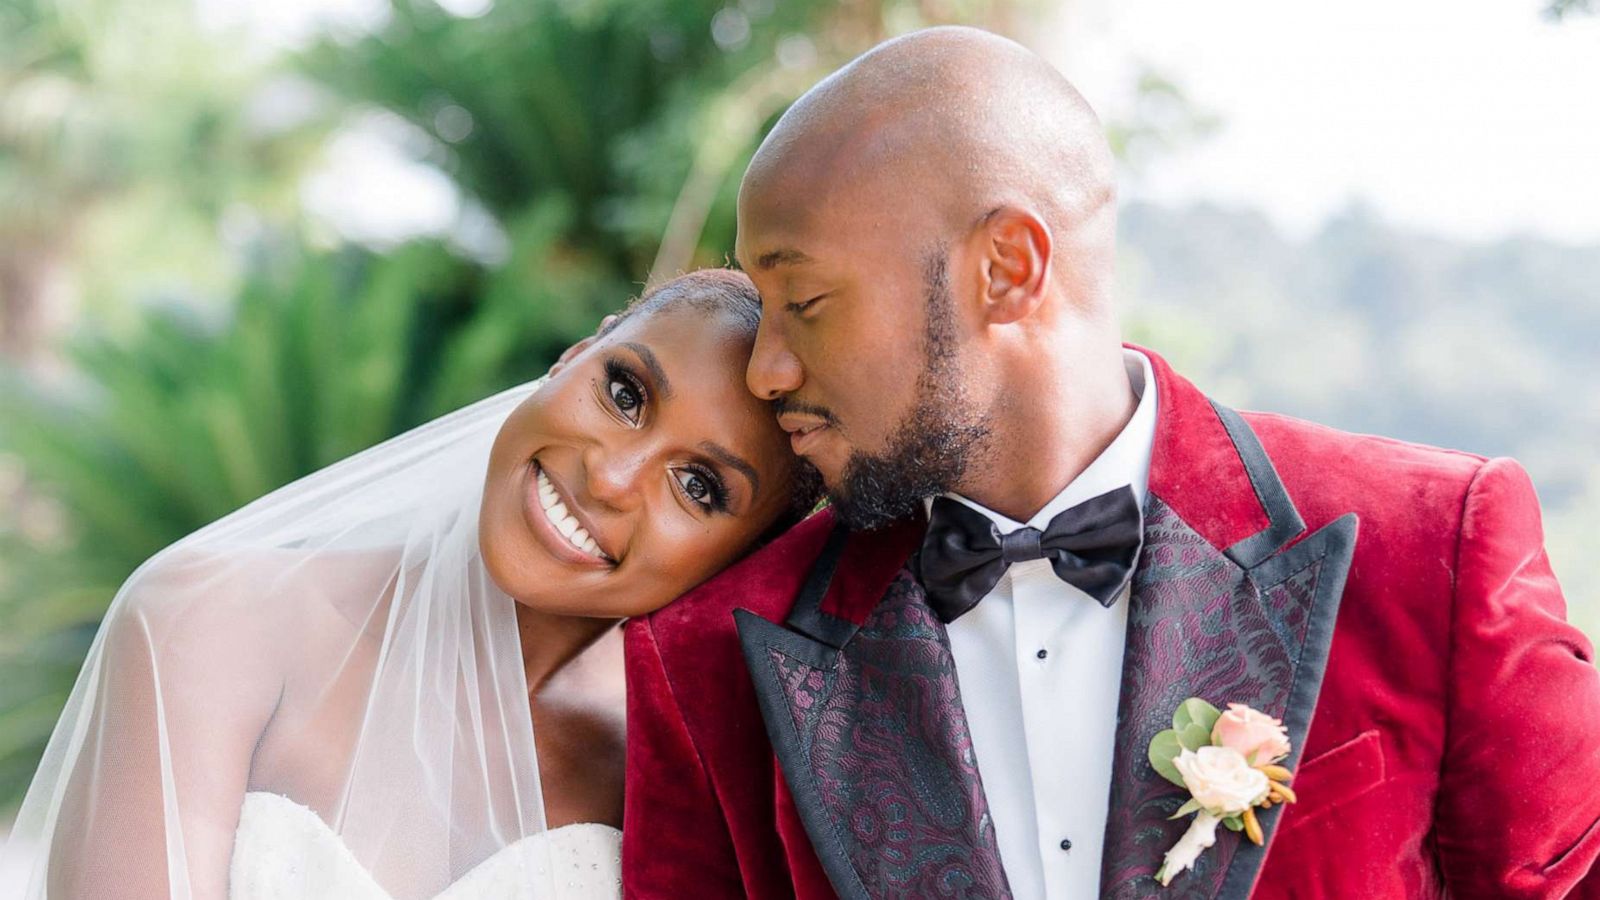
1091, 546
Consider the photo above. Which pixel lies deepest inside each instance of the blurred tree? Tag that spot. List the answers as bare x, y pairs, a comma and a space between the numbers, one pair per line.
100, 100
1561, 9
1162, 118
639, 116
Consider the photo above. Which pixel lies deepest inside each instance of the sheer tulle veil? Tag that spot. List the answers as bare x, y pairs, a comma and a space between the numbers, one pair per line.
337, 642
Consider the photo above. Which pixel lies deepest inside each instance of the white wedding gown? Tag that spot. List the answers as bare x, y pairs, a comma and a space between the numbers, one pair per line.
284, 851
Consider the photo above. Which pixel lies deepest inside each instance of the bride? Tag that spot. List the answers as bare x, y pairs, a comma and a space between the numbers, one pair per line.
335, 692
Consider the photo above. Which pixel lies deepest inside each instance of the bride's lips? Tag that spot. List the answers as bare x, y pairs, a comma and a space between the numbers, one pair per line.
546, 532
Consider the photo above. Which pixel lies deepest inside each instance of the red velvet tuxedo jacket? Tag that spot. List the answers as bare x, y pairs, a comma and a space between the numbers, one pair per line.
795, 725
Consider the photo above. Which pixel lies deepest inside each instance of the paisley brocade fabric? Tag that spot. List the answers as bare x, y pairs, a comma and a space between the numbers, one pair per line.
887, 743
1198, 627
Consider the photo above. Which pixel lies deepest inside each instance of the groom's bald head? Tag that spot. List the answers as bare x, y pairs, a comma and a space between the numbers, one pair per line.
927, 228
952, 123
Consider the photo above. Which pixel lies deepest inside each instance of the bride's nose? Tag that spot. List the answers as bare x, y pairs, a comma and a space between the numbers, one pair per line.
614, 475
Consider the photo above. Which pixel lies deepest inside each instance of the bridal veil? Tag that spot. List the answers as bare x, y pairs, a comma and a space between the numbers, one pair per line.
337, 642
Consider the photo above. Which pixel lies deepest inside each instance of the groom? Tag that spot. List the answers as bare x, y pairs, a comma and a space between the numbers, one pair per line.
917, 697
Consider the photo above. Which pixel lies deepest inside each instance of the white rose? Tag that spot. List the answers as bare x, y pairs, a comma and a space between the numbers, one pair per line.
1220, 780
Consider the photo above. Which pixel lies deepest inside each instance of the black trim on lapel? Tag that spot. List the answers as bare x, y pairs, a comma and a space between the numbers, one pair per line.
807, 616
759, 638
1283, 520
1332, 546
816, 643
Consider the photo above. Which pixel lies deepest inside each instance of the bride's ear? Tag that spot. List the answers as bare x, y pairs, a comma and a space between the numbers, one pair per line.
568, 354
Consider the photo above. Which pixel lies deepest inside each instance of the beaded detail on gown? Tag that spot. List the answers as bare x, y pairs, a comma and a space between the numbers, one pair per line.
284, 851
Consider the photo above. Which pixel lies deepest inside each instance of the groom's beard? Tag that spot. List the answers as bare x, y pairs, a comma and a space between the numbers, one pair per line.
934, 444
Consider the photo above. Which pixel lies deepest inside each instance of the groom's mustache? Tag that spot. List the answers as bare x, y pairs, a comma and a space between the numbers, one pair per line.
786, 405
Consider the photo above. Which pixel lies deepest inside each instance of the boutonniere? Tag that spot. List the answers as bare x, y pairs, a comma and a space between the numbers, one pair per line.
1227, 761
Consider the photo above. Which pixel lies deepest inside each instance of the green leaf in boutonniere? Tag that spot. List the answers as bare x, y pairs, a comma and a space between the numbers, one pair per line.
1195, 711
1164, 748
1192, 806
1193, 736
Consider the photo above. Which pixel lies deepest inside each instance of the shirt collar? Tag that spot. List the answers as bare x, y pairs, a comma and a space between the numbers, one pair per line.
1125, 461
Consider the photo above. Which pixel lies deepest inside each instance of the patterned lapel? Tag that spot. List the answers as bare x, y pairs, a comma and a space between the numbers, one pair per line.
867, 725
1247, 624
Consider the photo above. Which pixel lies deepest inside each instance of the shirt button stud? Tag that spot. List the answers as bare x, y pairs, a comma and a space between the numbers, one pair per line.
1066, 844
1042, 653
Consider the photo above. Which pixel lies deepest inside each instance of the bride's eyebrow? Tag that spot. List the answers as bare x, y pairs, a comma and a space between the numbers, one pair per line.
658, 375
733, 461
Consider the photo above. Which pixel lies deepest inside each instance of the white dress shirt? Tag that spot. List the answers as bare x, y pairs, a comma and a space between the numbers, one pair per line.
1040, 668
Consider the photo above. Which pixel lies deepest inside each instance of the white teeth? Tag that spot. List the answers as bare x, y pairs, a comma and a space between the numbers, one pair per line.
556, 511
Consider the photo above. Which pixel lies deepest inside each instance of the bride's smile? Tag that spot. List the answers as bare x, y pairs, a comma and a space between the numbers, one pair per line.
558, 522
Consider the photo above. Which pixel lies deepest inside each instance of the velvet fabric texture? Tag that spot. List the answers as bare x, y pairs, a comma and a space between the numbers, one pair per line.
1448, 746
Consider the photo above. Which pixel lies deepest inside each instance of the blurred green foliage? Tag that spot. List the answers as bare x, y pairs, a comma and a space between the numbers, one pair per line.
537, 99
125, 135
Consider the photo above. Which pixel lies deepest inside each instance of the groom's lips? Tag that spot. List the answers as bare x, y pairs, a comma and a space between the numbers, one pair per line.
804, 431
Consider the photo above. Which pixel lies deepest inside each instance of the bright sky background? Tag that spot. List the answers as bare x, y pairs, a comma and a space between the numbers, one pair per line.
1473, 118
1469, 118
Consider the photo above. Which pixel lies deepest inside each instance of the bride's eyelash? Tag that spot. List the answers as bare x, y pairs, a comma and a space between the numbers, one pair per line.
618, 371
717, 500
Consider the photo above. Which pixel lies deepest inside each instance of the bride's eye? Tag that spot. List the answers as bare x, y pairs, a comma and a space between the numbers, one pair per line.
626, 393
624, 396
702, 488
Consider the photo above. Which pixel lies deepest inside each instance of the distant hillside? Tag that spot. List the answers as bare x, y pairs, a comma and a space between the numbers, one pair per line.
1487, 347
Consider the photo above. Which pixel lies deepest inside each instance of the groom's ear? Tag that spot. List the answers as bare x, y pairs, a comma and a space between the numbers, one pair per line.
1016, 249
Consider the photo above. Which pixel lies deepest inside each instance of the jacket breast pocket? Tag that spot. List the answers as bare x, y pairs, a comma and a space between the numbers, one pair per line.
1336, 777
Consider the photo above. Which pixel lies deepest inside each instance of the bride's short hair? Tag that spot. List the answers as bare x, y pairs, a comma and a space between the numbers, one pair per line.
726, 291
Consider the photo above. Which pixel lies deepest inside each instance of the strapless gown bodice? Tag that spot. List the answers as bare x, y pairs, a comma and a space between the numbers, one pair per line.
284, 851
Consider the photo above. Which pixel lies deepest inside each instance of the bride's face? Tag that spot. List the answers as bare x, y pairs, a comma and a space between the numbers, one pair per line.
641, 469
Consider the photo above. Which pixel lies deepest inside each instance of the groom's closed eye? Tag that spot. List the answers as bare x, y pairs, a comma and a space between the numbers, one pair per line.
804, 306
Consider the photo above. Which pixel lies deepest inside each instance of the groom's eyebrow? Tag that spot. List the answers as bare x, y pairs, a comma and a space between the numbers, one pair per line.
784, 256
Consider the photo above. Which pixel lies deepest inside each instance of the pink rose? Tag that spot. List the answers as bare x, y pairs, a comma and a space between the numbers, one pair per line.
1249, 732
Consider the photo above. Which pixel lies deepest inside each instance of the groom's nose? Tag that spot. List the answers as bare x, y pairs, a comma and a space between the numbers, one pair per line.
774, 370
